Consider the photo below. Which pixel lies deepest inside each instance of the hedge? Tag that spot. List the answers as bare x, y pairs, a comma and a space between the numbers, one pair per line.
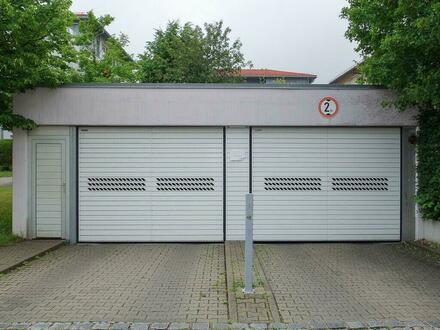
5, 155
428, 153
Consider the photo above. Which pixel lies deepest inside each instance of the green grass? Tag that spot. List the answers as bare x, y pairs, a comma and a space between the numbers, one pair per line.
6, 216
5, 173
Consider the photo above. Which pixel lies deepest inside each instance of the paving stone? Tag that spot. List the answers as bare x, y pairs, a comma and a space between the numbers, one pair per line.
336, 325
220, 326
20, 325
5, 325
376, 324
122, 282
179, 326
434, 323
159, 326
277, 325
415, 323
315, 324
81, 326
139, 326
239, 326
341, 281
101, 325
258, 326
356, 325
120, 326
297, 325
40, 326
200, 326
61, 326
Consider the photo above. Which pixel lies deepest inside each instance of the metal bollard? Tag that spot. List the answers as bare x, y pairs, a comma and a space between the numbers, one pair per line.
248, 247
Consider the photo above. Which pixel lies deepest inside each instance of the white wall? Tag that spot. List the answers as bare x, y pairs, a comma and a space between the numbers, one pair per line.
431, 230
237, 180
20, 183
186, 105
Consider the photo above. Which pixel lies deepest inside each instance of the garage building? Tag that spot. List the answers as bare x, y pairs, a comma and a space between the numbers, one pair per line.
172, 163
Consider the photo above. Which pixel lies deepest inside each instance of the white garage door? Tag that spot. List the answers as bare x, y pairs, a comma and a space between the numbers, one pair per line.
317, 184
150, 184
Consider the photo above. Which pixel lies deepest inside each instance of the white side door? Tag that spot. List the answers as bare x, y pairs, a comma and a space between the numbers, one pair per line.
49, 184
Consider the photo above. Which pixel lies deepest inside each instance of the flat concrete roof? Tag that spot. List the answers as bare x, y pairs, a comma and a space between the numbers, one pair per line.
224, 86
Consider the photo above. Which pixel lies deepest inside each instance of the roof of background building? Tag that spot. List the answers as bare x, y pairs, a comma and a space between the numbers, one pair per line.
274, 73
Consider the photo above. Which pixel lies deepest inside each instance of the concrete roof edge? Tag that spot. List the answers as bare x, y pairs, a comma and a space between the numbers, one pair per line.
223, 86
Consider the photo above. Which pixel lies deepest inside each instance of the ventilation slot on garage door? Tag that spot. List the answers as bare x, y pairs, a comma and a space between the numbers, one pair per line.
292, 184
116, 184
185, 184
360, 184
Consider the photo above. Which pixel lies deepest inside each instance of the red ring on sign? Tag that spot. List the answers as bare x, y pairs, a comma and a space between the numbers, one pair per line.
322, 101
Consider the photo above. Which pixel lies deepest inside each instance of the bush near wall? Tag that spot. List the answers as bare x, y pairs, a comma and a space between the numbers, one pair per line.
5, 155
428, 153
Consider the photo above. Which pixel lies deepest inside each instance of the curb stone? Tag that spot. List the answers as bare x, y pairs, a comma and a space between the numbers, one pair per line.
297, 325
317, 325
333, 325
139, 326
60, 326
356, 325
120, 326
200, 326
336, 325
181, 326
40, 326
81, 326
159, 326
101, 325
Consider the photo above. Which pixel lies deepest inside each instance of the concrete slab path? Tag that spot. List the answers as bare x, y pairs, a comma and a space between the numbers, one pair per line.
15, 254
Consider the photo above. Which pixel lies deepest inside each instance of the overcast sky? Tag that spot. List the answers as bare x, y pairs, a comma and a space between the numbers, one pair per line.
292, 35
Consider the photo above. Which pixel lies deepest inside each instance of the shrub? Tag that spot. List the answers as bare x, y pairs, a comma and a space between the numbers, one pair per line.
5, 155
428, 153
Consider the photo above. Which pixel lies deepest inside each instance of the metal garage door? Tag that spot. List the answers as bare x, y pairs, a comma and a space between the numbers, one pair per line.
150, 184
317, 184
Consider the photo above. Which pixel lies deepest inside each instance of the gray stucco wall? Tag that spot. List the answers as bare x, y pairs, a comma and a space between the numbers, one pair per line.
189, 105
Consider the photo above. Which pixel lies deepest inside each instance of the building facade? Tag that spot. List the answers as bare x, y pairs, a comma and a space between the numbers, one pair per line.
147, 163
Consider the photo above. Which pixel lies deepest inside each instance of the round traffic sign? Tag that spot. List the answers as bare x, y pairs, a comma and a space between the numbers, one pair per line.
328, 107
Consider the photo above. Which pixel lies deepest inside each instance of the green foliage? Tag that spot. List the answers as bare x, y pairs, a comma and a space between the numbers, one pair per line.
6, 216
35, 49
5, 155
429, 164
400, 44
191, 54
95, 65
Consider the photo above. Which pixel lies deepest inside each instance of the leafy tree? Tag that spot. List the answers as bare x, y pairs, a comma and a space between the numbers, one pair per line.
191, 54
400, 43
94, 65
35, 49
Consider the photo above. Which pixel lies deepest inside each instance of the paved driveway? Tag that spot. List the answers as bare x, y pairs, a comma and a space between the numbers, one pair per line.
127, 282
350, 282
187, 283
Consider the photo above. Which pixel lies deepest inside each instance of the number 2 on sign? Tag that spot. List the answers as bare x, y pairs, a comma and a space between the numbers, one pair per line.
328, 107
